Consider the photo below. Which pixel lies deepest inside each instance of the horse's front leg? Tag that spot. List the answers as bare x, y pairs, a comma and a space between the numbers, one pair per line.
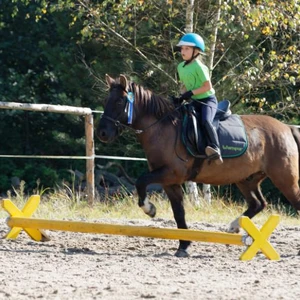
155, 176
174, 192
175, 196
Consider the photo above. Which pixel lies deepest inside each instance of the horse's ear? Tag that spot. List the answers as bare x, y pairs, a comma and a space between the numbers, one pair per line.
109, 80
123, 81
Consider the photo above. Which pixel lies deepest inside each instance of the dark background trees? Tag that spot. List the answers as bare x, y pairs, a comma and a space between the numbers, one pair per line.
57, 52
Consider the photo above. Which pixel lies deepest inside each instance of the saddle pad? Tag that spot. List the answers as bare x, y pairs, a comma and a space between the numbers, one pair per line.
232, 137
231, 133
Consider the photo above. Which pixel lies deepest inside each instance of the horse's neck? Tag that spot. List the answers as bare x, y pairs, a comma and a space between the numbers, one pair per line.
151, 125
148, 124
154, 132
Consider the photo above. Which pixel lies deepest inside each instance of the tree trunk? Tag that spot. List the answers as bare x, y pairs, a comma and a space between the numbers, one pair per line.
191, 187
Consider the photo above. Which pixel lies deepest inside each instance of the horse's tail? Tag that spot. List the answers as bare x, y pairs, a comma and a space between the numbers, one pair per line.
296, 133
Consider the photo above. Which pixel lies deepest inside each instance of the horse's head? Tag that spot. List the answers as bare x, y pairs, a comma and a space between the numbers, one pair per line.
131, 106
115, 110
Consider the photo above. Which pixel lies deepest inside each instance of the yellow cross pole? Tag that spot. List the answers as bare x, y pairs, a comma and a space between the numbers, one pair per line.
260, 237
255, 239
27, 211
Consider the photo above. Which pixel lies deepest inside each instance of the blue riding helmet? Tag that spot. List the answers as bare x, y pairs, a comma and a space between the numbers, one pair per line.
193, 40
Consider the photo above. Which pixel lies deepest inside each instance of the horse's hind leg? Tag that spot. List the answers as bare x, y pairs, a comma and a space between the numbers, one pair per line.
286, 180
175, 195
292, 193
250, 188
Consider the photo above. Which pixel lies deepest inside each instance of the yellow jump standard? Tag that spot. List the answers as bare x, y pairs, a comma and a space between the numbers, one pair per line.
255, 239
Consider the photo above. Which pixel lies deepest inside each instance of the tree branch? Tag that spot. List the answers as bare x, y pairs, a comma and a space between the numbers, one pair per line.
125, 41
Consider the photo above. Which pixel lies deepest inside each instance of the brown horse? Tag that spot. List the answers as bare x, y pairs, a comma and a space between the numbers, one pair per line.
273, 151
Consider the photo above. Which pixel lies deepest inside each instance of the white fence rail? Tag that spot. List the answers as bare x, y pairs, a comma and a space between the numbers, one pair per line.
89, 136
89, 141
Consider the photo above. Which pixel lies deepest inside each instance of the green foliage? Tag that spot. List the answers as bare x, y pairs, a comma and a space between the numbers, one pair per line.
57, 52
31, 171
259, 43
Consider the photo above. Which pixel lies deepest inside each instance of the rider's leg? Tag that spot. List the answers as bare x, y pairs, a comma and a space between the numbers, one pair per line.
208, 112
213, 148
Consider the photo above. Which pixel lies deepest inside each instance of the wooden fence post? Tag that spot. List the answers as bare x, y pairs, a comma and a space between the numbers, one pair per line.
90, 162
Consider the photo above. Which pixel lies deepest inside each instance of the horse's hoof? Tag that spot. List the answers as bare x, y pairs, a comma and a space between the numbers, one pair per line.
234, 227
181, 253
148, 208
152, 211
233, 230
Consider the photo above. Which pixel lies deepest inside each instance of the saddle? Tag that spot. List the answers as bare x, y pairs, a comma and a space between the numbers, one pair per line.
230, 129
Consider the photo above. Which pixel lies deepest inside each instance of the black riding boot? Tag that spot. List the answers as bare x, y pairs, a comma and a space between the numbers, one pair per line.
213, 149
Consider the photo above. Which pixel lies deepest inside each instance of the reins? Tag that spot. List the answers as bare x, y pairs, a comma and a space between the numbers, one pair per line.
117, 123
130, 99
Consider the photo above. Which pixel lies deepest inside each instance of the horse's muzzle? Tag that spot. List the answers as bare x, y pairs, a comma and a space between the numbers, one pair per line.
106, 131
102, 136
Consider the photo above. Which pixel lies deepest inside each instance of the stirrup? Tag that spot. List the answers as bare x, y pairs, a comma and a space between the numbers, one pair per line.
213, 154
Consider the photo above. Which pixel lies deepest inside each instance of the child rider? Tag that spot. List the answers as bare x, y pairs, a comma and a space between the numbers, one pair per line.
194, 75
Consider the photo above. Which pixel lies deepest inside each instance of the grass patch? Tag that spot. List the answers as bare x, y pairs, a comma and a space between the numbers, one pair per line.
64, 204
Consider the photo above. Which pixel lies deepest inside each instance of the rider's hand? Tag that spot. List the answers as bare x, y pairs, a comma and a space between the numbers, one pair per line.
176, 100
186, 96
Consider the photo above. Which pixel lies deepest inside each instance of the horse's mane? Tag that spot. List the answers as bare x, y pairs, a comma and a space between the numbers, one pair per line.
151, 103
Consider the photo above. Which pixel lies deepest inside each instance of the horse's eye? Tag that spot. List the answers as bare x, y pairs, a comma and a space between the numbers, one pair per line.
120, 101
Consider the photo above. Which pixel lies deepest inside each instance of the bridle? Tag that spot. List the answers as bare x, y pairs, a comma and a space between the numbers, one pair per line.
118, 124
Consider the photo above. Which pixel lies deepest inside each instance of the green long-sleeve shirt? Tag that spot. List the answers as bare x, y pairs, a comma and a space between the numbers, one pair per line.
193, 75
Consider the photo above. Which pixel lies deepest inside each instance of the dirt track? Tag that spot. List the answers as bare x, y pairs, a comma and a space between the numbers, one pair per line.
86, 266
